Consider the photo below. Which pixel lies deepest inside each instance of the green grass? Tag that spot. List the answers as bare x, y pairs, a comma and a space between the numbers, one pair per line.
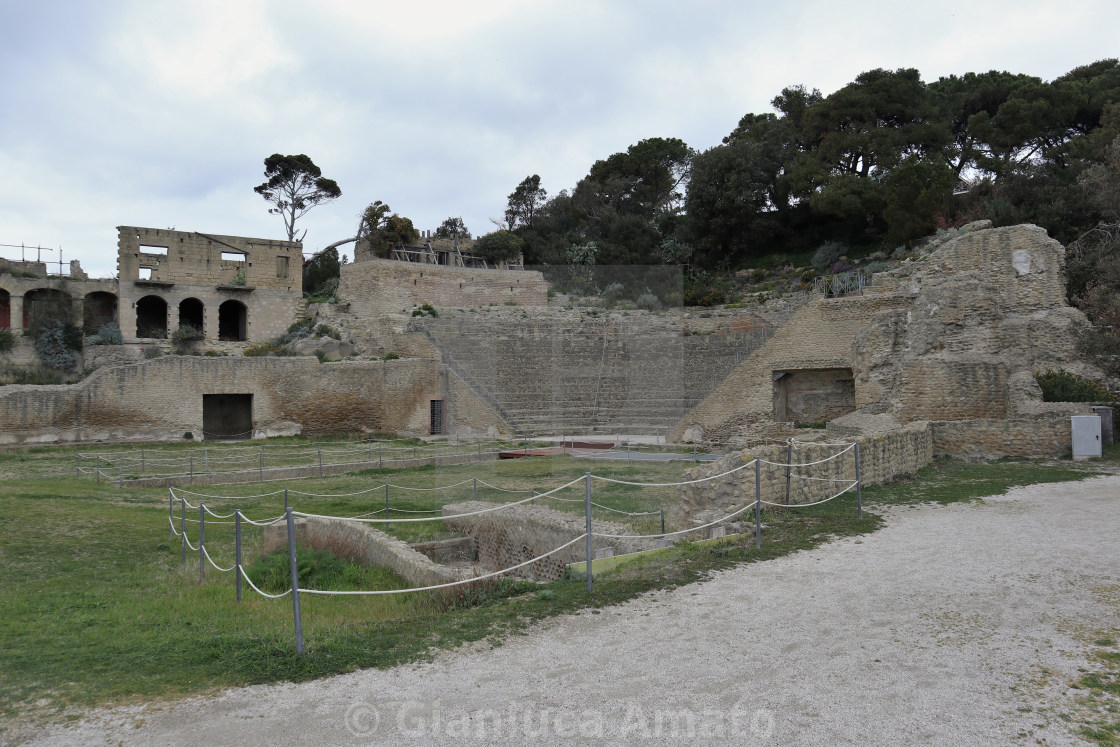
1101, 696
98, 608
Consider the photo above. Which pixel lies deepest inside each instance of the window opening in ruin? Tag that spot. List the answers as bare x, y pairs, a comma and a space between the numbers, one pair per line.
227, 416
151, 317
813, 397
437, 417
5, 309
145, 273
232, 321
281, 267
150, 249
45, 306
98, 309
233, 257
191, 313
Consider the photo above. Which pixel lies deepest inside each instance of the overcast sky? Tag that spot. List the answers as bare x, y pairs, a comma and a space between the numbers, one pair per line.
160, 114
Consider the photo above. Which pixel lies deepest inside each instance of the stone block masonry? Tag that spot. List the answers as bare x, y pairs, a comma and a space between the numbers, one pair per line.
363, 544
377, 288
162, 399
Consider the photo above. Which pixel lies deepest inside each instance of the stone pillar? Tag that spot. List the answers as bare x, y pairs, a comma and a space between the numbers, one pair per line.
17, 311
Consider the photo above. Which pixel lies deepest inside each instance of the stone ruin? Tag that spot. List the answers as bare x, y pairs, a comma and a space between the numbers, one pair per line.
951, 340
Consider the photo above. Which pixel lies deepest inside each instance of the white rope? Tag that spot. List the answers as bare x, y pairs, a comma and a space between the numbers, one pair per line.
337, 495
188, 541
504, 490
223, 497
820, 443
674, 484
173, 529
219, 516
810, 464
447, 585
821, 479
817, 503
682, 531
442, 518
218, 567
425, 490
265, 523
254, 586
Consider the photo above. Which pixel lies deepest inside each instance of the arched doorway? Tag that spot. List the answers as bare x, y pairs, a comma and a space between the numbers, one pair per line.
45, 306
151, 317
191, 313
232, 321
5, 309
98, 309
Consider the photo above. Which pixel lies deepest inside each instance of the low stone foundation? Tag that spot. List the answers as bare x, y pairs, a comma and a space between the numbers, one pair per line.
514, 535
1043, 435
363, 544
883, 457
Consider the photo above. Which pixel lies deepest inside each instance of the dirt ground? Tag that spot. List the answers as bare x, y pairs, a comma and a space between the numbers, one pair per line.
961, 624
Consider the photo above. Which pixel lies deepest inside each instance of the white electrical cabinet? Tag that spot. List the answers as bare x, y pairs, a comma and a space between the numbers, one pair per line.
1086, 436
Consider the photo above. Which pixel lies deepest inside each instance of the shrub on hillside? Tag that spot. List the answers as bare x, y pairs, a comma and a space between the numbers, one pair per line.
7, 340
55, 346
828, 254
1063, 386
109, 334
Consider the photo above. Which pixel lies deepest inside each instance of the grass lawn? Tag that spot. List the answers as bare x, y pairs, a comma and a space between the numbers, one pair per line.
98, 608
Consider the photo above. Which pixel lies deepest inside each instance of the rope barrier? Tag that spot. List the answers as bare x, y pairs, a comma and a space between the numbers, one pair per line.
254, 586
266, 523
817, 503
441, 518
216, 566
675, 484
447, 585
810, 464
682, 531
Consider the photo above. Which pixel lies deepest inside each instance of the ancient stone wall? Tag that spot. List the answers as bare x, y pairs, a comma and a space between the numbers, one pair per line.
363, 544
884, 457
513, 535
161, 399
377, 288
1043, 435
264, 275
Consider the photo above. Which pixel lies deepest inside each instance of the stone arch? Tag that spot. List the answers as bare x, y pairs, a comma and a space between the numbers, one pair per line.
151, 317
5, 309
44, 306
98, 309
192, 312
233, 321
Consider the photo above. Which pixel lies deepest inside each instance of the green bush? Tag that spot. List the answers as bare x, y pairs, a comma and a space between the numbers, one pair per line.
7, 340
109, 334
324, 330
55, 346
39, 375
873, 267
425, 310
316, 569
390, 357
1063, 386
827, 254
264, 348
186, 334
648, 301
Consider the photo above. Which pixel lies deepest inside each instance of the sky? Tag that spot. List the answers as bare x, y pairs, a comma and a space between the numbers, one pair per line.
160, 114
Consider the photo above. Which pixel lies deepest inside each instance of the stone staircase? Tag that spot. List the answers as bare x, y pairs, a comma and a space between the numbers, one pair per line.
552, 377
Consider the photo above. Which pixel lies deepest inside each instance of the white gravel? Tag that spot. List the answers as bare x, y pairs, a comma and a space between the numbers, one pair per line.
961, 624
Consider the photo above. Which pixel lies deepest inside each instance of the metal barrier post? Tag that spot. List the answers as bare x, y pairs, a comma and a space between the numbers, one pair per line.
859, 486
757, 503
285, 499
663, 521
414, 456
170, 514
260, 466
532, 496
320, 461
237, 548
474, 489
587, 513
369, 451
386, 506
201, 542
79, 464
141, 462
98, 469
192, 469
295, 580
789, 465
183, 530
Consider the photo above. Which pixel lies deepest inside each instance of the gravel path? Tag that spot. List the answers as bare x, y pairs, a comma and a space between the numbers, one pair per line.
953, 625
